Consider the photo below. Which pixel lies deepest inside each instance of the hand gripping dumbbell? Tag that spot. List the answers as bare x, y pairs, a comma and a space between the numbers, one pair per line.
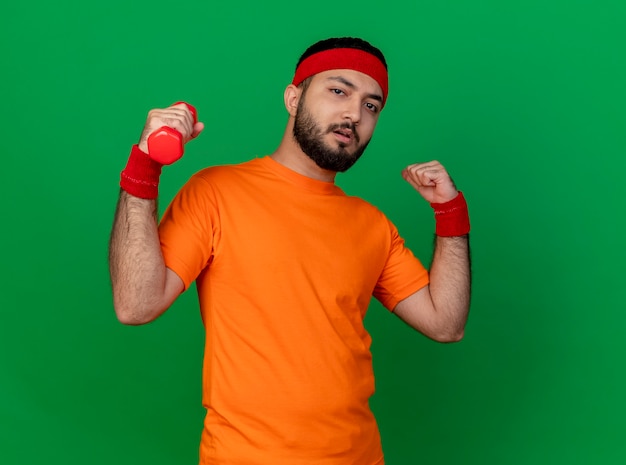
165, 145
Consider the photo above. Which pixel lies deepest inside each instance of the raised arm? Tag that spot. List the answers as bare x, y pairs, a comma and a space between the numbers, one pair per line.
440, 309
143, 287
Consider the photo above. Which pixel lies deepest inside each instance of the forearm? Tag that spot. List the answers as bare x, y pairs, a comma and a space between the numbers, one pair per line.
450, 284
138, 272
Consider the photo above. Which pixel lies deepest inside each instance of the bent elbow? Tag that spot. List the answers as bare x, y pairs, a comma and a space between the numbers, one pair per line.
457, 337
131, 315
131, 320
450, 337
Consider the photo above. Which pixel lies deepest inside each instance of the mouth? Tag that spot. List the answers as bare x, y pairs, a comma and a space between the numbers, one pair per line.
344, 135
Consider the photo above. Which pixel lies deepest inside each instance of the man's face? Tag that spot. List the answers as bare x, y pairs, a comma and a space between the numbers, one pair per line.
336, 117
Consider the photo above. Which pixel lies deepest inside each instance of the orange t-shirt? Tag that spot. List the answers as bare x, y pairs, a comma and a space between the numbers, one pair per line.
285, 268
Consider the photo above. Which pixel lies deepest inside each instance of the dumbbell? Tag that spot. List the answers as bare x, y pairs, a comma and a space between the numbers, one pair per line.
165, 145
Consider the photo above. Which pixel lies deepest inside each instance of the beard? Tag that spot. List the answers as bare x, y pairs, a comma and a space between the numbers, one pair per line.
310, 138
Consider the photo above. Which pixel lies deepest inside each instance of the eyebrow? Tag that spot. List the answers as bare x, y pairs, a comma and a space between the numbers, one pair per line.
349, 84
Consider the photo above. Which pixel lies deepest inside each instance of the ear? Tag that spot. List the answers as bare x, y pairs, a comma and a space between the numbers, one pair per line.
292, 97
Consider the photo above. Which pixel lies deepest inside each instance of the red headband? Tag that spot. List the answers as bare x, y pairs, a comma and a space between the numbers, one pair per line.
344, 58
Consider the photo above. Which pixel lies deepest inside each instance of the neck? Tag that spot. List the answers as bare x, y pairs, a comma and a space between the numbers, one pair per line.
290, 155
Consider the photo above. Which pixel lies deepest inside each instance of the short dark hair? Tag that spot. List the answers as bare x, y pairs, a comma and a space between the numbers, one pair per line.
342, 42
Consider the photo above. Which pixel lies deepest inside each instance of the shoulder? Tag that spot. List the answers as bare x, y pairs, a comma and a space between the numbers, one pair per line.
228, 171
367, 215
215, 178
363, 207
222, 183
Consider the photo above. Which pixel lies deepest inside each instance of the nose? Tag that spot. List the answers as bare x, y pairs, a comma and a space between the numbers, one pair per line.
352, 111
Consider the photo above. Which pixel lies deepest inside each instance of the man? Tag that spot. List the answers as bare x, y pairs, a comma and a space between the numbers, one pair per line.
286, 264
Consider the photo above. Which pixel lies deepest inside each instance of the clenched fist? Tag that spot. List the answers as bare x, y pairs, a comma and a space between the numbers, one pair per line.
177, 117
431, 180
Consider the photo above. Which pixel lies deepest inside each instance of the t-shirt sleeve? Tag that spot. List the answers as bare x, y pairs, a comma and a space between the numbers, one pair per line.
188, 228
402, 275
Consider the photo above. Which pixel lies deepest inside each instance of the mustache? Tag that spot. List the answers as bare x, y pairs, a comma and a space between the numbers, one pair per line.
344, 125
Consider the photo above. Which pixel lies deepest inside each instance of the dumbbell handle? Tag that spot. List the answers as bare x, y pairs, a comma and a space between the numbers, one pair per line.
165, 145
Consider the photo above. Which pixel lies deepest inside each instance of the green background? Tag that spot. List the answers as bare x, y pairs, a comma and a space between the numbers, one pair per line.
523, 102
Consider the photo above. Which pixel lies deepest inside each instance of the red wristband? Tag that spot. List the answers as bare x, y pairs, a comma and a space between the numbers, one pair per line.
141, 175
452, 218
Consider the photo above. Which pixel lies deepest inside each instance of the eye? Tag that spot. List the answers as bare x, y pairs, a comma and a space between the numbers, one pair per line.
371, 107
337, 91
